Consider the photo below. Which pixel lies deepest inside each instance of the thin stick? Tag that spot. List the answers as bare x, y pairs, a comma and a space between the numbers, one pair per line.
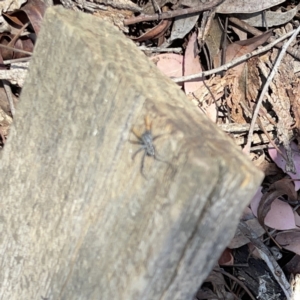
16, 37
171, 14
268, 257
237, 281
158, 49
15, 50
235, 61
265, 88
9, 97
246, 27
11, 61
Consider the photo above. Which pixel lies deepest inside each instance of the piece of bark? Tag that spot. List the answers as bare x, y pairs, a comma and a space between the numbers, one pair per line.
78, 220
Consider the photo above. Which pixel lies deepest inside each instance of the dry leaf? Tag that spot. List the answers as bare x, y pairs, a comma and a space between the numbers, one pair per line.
170, 64
280, 215
294, 95
278, 96
293, 266
182, 26
121, 4
239, 238
289, 241
236, 82
213, 86
213, 38
281, 162
155, 32
242, 6
10, 5
226, 258
32, 11
192, 65
270, 18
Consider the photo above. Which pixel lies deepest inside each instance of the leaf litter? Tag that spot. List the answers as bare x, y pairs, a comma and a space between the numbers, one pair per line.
184, 38
228, 96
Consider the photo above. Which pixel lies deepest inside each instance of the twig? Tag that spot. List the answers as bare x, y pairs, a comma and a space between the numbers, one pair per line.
246, 27
266, 86
16, 37
241, 128
175, 13
235, 266
258, 139
269, 259
249, 114
235, 61
15, 50
257, 148
16, 60
13, 41
213, 97
156, 6
9, 97
159, 49
236, 280
16, 74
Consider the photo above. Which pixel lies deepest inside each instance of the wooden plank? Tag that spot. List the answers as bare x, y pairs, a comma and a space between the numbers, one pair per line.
78, 220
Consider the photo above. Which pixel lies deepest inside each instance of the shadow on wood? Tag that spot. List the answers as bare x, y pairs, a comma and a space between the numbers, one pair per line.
78, 220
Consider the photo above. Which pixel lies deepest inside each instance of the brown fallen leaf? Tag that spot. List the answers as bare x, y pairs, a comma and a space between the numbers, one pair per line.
294, 95
236, 77
16, 42
281, 187
170, 64
226, 258
33, 11
241, 6
192, 65
290, 241
155, 32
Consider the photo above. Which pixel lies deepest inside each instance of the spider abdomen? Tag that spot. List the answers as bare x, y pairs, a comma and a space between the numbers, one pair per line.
148, 143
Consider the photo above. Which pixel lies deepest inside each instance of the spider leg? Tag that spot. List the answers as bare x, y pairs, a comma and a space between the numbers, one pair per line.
158, 159
156, 137
136, 152
136, 142
166, 162
142, 165
148, 123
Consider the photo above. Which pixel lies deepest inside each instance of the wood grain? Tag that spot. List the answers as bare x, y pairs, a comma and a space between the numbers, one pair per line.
77, 219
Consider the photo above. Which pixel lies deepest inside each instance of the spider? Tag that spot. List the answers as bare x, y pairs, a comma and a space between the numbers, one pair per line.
146, 141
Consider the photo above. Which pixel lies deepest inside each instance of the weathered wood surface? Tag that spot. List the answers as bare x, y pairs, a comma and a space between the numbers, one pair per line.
78, 221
